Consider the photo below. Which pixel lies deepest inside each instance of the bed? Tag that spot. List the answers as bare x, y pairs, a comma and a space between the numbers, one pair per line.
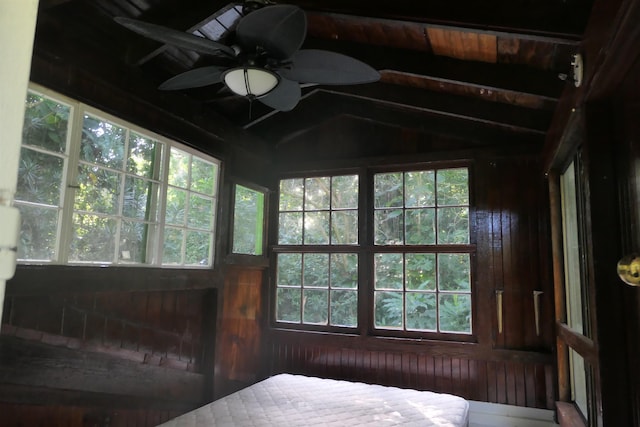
296, 400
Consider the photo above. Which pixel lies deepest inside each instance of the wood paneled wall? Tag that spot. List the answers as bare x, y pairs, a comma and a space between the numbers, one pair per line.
515, 366
523, 380
131, 356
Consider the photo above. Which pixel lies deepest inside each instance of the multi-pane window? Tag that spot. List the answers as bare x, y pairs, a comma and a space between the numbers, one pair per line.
94, 189
429, 287
41, 175
419, 257
248, 221
190, 209
317, 282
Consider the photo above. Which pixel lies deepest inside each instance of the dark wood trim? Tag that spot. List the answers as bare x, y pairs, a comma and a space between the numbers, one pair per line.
548, 18
520, 119
602, 253
569, 415
431, 347
57, 279
544, 84
418, 26
562, 359
578, 342
603, 28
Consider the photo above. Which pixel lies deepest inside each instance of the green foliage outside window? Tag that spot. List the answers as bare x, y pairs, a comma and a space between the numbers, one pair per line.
422, 278
423, 291
117, 182
318, 288
248, 217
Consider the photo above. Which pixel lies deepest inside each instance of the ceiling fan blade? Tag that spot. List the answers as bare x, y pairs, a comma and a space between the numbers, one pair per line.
176, 38
328, 68
278, 29
197, 77
284, 97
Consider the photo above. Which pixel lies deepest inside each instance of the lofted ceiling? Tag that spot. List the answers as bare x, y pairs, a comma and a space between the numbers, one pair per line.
490, 68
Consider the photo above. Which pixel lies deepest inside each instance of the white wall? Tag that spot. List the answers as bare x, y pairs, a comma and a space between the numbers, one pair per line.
17, 29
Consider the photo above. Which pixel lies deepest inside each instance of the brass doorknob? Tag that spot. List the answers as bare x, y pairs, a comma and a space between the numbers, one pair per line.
629, 269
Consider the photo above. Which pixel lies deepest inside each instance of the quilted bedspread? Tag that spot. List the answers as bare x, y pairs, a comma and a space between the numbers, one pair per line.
295, 400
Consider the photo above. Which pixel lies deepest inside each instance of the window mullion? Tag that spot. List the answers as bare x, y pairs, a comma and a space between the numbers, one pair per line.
71, 183
164, 180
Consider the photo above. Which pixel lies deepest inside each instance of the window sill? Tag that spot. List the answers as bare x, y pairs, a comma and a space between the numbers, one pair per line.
569, 415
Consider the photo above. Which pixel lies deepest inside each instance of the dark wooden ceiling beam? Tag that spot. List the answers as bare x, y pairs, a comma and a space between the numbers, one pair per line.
548, 18
349, 21
322, 105
509, 77
490, 113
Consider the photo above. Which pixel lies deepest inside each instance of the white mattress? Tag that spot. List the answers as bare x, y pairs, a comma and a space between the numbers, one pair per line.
295, 400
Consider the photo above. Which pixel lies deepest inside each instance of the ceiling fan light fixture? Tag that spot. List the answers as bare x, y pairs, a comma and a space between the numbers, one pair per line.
250, 81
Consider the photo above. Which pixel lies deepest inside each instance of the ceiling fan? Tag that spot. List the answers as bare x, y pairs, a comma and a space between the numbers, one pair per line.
265, 59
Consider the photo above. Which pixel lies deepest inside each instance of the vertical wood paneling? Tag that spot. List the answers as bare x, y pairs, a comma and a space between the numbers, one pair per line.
508, 382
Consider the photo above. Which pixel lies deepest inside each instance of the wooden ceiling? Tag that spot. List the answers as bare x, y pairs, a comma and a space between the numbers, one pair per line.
491, 68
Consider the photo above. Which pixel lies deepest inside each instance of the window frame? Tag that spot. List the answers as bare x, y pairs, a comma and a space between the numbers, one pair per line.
69, 185
366, 250
238, 257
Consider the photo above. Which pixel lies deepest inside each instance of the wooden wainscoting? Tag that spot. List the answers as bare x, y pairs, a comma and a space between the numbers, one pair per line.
502, 376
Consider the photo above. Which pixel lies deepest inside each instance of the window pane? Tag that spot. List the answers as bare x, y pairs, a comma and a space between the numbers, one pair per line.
420, 271
197, 248
316, 228
316, 193
344, 308
316, 270
316, 306
579, 391
453, 187
344, 271
248, 221
99, 190
288, 305
388, 310
419, 189
291, 191
453, 272
455, 313
389, 228
453, 225
176, 206
178, 168
289, 271
344, 192
102, 143
143, 156
388, 270
46, 123
37, 232
203, 176
39, 177
200, 212
575, 300
388, 190
344, 227
93, 238
421, 311
290, 228
172, 247
133, 237
138, 194
420, 226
